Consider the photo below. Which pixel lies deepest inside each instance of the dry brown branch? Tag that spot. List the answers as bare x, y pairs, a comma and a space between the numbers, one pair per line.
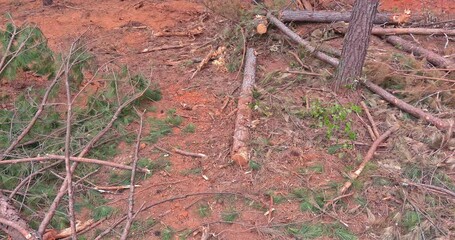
74, 159
133, 176
69, 174
51, 211
370, 118
331, 16
191, 154
165, 47
305, 73
114, 188
296, 38
189, 33
432, 188
240, 150
430, 56
162, 149
108, 230
367, 158
297, 58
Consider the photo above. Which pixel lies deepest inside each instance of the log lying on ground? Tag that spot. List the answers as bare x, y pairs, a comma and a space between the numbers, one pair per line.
431, 57
439, 123
416, 31
331, 16
240, 150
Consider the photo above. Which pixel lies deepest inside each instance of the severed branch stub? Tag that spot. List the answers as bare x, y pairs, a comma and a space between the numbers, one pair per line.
240, 150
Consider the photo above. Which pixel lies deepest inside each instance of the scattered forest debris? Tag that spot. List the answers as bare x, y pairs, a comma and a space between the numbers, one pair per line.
370, 118
439, 123
211, 55
165, 47
74, 159
190, 33
240, 149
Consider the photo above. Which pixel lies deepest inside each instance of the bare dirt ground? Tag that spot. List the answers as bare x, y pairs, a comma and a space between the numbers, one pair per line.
291, 152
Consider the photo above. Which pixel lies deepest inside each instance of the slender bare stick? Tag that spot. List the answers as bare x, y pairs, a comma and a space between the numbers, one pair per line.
367, 158
69, 175
133, 175
50, 213
191, 154
74, 159
370, 118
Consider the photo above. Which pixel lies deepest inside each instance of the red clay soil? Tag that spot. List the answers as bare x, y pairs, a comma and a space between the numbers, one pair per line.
113, 27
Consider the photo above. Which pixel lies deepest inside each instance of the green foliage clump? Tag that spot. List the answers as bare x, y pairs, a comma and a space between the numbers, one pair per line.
335, 118
24, 48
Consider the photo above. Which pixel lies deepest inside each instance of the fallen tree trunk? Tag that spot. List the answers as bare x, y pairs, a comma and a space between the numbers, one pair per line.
331, 16
240, 150
296, 38
416, 31
431, 57
438, 122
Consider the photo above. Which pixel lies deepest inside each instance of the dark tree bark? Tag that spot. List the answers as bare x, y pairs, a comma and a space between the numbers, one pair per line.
47, 2
356, 42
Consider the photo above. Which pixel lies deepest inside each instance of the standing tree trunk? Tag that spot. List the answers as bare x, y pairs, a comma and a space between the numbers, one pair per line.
47, 2
356, 42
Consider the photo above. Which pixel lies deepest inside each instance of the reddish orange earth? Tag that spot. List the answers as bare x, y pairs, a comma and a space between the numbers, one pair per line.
120, 30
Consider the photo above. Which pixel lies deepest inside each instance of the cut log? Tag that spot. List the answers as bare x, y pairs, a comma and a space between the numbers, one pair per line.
296, 38
416, 31
431, 56
438, 122
261, 24
240, 149
331, 16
